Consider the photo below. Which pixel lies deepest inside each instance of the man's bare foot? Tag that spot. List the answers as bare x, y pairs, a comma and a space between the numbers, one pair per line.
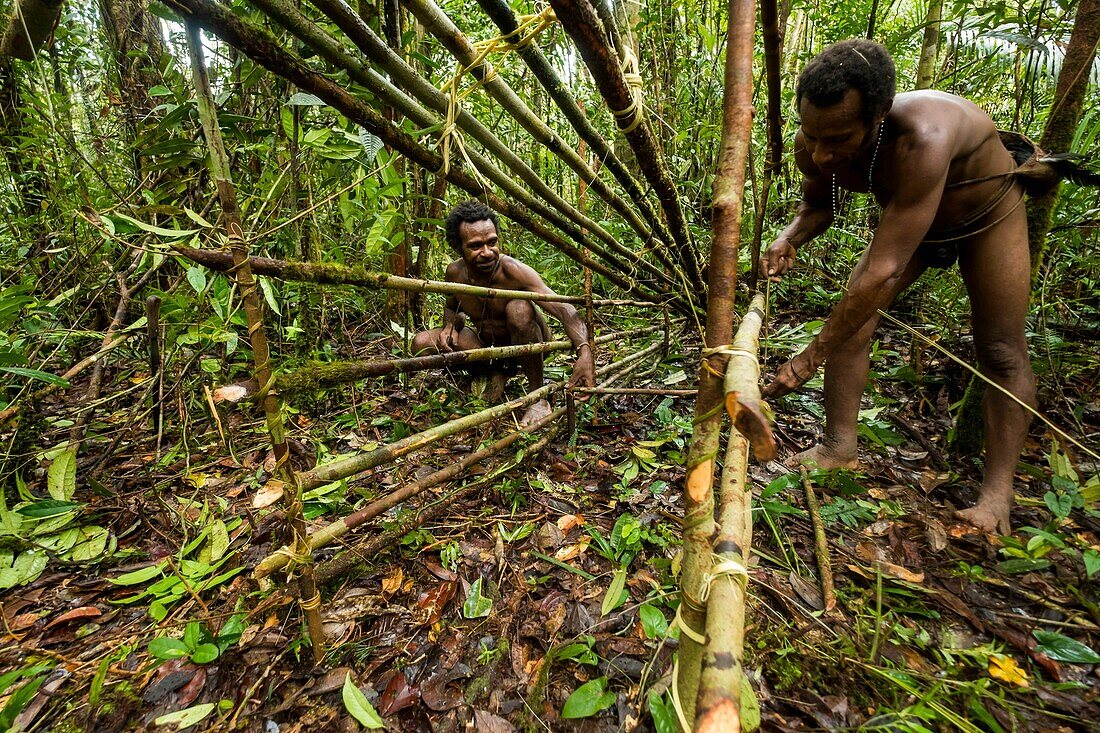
535, 413
823, 457
991, 513
494, 391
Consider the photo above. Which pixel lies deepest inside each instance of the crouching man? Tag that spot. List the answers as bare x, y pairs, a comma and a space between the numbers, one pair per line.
470, 322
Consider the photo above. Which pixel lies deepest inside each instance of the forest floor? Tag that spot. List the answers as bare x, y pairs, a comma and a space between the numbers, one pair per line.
493, 615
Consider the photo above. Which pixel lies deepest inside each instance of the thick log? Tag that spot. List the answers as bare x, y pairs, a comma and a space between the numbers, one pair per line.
265, 50
705, 441
584, 26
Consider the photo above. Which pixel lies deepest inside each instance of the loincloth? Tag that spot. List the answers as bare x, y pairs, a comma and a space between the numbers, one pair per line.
940, 247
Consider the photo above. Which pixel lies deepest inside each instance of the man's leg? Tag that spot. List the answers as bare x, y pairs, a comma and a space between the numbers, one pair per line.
846, 372
427, 342
997, 271
524, 328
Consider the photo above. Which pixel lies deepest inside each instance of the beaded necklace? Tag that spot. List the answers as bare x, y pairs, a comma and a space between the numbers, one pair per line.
870, 170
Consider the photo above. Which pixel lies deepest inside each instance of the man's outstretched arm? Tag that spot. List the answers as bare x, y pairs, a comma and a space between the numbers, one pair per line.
584, 370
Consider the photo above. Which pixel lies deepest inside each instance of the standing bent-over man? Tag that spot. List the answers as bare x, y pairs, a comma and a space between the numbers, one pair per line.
936, 165
471, 322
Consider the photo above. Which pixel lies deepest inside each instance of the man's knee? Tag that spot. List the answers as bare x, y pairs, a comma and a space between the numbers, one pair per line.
423, 341
1003, 358
521, 316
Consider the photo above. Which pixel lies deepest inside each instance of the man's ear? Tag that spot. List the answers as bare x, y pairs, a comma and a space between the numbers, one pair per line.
886, 109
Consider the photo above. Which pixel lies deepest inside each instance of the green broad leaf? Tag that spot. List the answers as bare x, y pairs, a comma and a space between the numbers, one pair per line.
91, 545
187, 717
359, 706
219, 540
144, 575
654, 622
53, 525
61, 476
160, 231
61, 543
270, 295
17, 702
588, 699
29, 565
163, 647
197, 218
1061, 648
476, 605
197, 278
1092, 562
750, 707
192, 634
35, 374
9, 578
613, 598
160, 91
304, 99
205, 653
46, 507
582, 653
663, 714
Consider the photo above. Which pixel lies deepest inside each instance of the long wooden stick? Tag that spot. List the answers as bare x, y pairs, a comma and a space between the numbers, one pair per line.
329, 533
218, 161
821, 544
742, 383
773, 55
357, 275
705, 440
320, 375
584, 26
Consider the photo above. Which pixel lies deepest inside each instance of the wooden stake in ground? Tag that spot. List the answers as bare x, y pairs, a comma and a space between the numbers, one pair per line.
821, 544
218, 162
726, 228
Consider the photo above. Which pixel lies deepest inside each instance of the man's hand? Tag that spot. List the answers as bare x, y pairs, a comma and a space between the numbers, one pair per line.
584, 371
793, 374
777, 259
448, 337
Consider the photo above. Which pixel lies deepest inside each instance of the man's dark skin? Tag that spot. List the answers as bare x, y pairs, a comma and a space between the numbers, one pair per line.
929, 140
499, 322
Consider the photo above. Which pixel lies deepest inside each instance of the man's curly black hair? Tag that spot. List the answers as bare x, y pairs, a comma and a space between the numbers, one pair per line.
857, 64
468, 212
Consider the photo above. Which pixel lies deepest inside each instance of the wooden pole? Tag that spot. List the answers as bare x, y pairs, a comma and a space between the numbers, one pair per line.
773, 57
334, 274
583, 25
726, 229
319, 375
218, 161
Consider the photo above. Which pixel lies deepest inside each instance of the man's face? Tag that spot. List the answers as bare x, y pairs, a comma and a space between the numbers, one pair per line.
480, 246
834, 135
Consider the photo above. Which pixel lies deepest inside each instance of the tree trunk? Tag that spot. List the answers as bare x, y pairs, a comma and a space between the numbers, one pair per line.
926, 69
30, 26
729, 184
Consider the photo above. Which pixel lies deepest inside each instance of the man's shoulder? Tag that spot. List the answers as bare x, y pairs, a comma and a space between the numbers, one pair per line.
456, 272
